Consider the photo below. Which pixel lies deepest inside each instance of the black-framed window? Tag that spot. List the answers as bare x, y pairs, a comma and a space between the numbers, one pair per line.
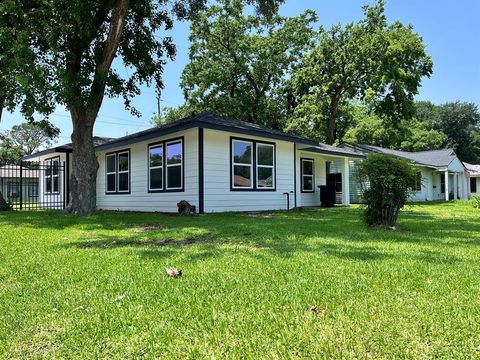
252, 165
52, 175
166, 166
442, 183
265, 169
473, 185
307, 175
117, 172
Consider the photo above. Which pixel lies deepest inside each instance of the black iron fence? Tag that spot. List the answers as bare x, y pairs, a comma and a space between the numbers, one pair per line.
34, 185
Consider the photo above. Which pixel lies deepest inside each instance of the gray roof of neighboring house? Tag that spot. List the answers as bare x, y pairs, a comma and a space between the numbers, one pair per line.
13, 171
474, 170
431, 158
67, 148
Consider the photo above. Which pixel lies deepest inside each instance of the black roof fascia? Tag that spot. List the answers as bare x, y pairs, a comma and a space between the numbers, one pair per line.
338, 153
194, 123
46, 152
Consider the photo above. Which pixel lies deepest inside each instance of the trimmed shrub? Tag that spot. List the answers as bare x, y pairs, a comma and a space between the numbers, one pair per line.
386, 183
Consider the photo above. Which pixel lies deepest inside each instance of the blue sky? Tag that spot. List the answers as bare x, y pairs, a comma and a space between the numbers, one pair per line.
450, 29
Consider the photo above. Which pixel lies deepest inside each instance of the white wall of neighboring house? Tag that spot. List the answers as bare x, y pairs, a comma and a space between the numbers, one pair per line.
49, 199
218, 195
139, 199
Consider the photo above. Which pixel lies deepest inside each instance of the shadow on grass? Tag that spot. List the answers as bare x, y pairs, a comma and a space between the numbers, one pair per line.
280, 234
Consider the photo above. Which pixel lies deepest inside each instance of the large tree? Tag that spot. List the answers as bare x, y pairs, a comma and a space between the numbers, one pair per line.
239, 62
459, 121
73, 46
372, 60
409, 134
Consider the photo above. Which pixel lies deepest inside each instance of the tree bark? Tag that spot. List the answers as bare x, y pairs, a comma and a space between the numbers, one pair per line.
83, 189
83, 179
331, 126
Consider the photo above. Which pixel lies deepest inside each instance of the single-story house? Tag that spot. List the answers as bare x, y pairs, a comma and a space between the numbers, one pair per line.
442, 175
474, 185
19, 183
214, 163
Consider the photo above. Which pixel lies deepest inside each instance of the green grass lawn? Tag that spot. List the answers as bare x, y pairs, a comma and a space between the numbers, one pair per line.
316, 283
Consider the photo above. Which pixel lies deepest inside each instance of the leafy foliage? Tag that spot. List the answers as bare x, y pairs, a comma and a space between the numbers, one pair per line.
406, 134
238, 62
475, 202
386, 184
171, 114
26, 138
370, 60
459, 121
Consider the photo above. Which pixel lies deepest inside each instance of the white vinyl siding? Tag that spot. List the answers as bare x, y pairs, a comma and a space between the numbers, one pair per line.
218, 193
139, 198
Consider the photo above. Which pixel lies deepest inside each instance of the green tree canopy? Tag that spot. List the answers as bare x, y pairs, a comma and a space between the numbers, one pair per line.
71, 47
239, 62
369, 60
459, 121
408, 135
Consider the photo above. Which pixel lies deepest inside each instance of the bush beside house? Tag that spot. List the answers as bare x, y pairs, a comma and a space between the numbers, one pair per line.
386, 183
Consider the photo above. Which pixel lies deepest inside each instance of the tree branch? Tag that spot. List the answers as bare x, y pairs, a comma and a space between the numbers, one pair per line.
103, 64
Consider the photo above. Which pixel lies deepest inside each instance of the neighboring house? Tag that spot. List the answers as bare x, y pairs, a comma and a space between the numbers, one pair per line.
19, 183
216, 164
442, 175
474, 183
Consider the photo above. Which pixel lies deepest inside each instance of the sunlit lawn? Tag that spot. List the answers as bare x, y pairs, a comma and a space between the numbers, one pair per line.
306, 284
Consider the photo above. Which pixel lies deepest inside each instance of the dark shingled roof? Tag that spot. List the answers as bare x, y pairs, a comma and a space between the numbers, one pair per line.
333, 150
431, 158
67, 148
208, 121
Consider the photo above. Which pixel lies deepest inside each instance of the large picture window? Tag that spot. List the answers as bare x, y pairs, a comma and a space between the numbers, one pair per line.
252, 165
117, 172
308, 181
165, 171
52, 176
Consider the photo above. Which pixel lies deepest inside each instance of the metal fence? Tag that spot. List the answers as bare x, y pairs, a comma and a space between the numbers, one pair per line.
34, 185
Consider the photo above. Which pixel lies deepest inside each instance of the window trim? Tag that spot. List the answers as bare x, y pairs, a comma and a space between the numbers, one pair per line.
123, 171
442, 184
117, 178
150, 168
254, 166
302, 175
164, 143
110, 173
265, 166
473, 180
46, 163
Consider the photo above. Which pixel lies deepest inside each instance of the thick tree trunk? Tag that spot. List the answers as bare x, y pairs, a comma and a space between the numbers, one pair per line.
332, 118
330, 129
83, 179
